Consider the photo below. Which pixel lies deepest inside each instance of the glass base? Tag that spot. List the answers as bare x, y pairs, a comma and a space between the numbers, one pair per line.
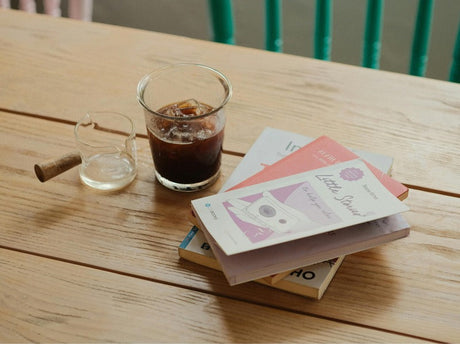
187, 187
108, 185
108, 171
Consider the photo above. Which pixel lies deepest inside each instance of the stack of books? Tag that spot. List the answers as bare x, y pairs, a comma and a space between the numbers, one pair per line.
291, 211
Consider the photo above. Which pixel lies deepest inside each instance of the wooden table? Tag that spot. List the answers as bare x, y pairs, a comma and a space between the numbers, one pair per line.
78, 265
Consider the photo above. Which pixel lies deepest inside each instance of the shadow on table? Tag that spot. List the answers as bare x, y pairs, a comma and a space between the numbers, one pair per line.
363, 291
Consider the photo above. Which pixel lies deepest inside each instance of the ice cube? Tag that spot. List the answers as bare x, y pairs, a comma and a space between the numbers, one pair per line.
171, 110
189, 107
203, 134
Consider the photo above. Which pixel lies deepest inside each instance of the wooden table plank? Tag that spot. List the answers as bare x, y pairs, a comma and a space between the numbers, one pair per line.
409, 286
89, 305
95, 66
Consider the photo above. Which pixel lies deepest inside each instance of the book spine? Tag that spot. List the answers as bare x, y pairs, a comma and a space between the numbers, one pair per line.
191, 234
310, 281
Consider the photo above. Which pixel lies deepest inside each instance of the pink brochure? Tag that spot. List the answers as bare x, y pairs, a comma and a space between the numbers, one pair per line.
320, 153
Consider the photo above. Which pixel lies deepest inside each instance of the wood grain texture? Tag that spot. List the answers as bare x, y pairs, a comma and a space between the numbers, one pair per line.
410, 286
88, 305
97, 67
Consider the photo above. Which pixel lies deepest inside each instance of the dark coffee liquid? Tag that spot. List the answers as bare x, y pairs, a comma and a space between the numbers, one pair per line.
186, 152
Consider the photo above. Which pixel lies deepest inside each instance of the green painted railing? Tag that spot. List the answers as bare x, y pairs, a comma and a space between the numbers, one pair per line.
221, 17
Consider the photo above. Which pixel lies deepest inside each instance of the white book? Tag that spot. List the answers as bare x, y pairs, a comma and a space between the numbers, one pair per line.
256, 264
311, 281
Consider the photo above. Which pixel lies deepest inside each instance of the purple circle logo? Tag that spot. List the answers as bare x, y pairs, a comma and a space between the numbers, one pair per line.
351, 174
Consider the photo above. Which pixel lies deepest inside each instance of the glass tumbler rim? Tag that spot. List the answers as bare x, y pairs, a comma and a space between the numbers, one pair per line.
130, 134
149, 76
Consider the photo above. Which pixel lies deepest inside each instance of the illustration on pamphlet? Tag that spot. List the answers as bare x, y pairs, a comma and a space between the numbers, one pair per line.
272, 213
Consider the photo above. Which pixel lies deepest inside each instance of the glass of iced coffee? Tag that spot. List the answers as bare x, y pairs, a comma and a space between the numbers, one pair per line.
184, 115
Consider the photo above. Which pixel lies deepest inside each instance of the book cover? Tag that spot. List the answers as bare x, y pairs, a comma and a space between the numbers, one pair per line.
311, 281
257, 264
319, 153
295, 207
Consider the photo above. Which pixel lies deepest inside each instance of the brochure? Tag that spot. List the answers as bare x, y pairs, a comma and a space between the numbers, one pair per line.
294, 207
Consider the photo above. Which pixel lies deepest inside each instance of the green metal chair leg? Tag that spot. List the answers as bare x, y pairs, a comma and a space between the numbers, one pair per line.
372, 34
323, 30
273, 25
221, 16
420, 44
455, 68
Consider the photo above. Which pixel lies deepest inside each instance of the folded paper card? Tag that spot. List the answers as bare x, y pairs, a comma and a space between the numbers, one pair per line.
294, 207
